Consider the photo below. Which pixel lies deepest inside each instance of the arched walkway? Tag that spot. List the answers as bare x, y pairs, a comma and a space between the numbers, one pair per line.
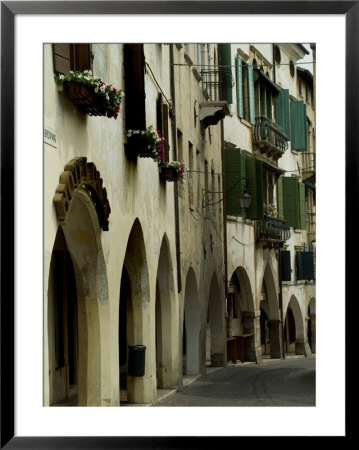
134, 318
311, 325
295, 336
166, 315
271, 326
191, 326
216, 351
78, 311
242, 319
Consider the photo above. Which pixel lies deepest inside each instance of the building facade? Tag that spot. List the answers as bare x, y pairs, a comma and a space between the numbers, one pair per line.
270, 153
152, 271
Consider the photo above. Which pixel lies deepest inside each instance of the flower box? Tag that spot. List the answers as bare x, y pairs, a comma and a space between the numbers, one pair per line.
169, 174
86, 99
137, 145
91, 95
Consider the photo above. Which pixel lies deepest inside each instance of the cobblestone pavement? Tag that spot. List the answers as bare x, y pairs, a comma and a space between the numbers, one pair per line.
289, 382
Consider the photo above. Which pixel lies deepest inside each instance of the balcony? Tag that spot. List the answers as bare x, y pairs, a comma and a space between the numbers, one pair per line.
269, 138
272, 232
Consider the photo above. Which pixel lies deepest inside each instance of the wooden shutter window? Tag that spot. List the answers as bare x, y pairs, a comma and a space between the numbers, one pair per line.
165, 114
76, 57
62, 58
239, 86
282, 111
233, 182
226, 70
134, 68
254, 179
291, 201
302, 207
251, 105
305, 265
286, 270
82, 57
280, 198
298, 116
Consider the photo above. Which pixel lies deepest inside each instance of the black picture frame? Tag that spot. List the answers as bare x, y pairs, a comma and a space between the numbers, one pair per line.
9, 9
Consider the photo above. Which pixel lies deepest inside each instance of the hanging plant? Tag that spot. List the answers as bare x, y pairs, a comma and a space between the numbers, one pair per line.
173, 171
146, 143
92, 95
270, 210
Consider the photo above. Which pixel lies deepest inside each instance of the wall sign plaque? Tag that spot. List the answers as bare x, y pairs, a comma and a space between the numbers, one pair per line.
80, 173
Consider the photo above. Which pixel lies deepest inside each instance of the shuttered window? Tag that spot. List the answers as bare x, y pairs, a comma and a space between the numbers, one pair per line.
226, 70
280, 198
134, 67
291, 201
282, 111
252, 118
302, 207
286, 271
305, 265
298, 117
76, 57
239, 86
162, 123
234, 180
254, 180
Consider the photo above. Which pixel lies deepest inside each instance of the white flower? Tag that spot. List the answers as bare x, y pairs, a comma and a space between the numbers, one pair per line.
96, 89
122, 94
61, 77
102, 88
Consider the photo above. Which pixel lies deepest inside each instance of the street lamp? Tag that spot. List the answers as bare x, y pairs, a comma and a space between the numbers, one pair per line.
245, 200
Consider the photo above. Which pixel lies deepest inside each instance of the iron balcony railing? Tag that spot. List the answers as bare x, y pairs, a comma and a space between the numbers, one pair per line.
268, 134
272, 229
215, 81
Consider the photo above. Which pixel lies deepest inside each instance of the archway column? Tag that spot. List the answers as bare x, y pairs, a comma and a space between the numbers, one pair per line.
251, 325
302, 347
313, 333
276, 343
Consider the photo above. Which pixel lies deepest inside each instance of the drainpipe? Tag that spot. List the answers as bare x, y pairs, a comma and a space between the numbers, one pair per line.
174, 147
274, 74
177, 229
225, 260
281, 300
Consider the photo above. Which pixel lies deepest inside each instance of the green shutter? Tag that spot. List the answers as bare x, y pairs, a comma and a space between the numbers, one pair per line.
252, 113
239, 86
299, 265
234, 180
305, 265
280, 198
308, 265
226, 60
254, 178
291, 201
286, 271
298, 117
282, 111
302, 208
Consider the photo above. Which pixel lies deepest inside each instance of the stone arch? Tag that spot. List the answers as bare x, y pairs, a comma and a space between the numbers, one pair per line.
82, 238
134, 315
191, 325
216, 327
311, 324
270, 321
295, 329
166, 316
242, 319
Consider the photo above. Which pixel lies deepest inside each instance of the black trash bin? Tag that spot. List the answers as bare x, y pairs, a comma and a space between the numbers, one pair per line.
136, 360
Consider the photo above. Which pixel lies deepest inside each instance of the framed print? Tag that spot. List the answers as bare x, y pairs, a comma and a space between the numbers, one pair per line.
59, 208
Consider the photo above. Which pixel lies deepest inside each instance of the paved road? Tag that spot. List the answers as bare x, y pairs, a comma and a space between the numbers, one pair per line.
289, 382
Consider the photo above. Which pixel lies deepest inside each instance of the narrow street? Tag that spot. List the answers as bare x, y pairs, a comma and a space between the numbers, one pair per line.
289, 382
